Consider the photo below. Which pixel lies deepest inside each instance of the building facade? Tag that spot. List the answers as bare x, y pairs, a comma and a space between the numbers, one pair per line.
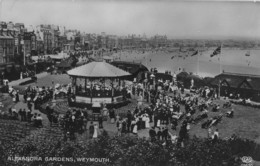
7, 46
242, 85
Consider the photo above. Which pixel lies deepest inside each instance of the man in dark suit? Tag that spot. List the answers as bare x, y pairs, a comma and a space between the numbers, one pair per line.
100, 121
159, 134
91, 130
152, 134
129, 119
165, 134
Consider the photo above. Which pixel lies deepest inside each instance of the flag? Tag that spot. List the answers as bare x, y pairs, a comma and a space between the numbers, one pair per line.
216, 51
195, 53
248, 53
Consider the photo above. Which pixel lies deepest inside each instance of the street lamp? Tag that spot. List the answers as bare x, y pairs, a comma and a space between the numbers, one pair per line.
153, 78
2, 80
219, 88
35, 69
22, 43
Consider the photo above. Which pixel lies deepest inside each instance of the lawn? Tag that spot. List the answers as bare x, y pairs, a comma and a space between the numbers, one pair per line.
47, 81
245, 123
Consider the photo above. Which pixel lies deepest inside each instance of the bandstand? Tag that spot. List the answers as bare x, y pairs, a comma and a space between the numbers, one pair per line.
96, 83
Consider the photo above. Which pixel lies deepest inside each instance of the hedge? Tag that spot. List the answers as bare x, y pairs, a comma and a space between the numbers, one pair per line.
129, 150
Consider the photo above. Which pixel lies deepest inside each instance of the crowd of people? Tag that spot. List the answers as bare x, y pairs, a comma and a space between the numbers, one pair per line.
169, 108
14, 94
32, 96
165, 110
24, 115
176, 111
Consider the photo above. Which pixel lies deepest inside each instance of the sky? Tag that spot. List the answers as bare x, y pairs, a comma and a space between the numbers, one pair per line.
176, 19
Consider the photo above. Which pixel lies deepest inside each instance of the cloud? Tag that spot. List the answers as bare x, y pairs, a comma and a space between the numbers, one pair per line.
176, 19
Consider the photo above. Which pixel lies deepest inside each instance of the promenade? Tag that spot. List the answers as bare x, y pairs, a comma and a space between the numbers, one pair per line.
17, 82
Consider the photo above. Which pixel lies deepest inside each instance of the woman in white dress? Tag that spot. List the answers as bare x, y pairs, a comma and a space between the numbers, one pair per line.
105, 112
95, 131
147, 122
158, 122
135, 128
119, 130
117, 118
140, 101
143, 117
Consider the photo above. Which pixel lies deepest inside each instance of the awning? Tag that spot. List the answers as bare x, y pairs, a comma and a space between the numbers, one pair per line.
98, 69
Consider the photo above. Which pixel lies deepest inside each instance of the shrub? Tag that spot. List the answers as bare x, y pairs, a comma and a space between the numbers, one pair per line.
128, 150
244, 147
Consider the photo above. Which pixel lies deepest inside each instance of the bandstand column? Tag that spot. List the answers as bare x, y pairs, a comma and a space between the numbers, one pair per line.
104, 86
112, 90
91, 90
85, 85
75, 84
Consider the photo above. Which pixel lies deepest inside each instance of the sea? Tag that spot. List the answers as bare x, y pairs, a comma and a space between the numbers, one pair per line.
202, 64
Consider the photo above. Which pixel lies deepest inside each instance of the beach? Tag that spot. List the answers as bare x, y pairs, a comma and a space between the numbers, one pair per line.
231, 60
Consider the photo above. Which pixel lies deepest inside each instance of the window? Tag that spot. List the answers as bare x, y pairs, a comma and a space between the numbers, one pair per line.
224, 83
245, 86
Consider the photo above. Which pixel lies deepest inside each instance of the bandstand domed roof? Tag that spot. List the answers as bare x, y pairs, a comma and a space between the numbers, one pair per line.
98, 69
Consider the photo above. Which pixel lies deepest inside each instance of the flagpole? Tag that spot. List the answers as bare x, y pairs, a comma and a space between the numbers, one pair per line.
198, 63
220, 66
220, 69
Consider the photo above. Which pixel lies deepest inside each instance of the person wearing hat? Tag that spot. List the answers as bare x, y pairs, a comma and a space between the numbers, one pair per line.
119, 127
140, 101
100, 121
39, 121
155, 117
124, 126
152, 134
17, 96
215, 135
112, 115
164, 134
29, 104
134, 127
129, 119
95, 135
159, 133
66, 136
91, 130
150, 114
25, 97
29, 116
147, 121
